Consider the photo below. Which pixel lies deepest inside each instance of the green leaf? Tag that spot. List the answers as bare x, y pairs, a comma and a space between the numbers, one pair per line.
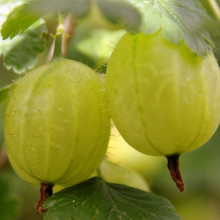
120, 12
76, 7
4, 92
8, 205
178, 19
95, 199
20, 52
18, 21
6, 7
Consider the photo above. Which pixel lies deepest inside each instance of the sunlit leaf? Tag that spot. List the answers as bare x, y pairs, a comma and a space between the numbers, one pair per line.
18, 21
20, 53
179, 20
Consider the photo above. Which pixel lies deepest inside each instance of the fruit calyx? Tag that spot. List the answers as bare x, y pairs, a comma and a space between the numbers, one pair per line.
46, 191
173, 166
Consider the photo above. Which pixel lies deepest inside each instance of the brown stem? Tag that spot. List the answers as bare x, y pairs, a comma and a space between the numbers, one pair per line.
173, 166
45, 192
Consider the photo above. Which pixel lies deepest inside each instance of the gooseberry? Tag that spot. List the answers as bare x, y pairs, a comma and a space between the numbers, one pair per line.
56, 124
163, 98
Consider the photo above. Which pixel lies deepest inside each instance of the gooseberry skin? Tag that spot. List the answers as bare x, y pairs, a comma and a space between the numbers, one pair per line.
163, 98
56, 124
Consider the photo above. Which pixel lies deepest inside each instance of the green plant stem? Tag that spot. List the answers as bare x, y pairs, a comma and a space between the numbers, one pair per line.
69, 28
57, 52
57, 47
64, 33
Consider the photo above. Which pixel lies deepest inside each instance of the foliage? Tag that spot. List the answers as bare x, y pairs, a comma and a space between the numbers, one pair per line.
95, 199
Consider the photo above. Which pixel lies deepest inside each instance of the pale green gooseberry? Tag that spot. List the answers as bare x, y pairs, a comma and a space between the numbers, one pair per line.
56, 124
163, 98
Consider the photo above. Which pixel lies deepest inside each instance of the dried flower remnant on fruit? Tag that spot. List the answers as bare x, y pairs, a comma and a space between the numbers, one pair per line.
46, 191
173, 166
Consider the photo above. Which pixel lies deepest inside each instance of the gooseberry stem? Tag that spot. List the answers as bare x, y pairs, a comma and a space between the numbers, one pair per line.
69, 29
173, 166
57, 52
46, 191
64, 34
